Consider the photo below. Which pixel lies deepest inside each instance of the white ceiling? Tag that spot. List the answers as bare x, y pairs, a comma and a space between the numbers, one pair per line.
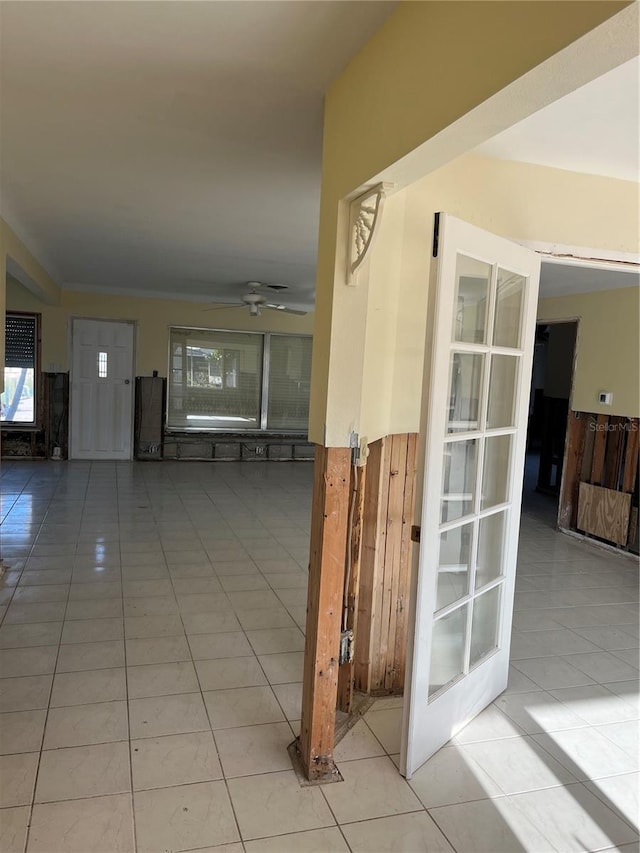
594, 130
564, 279
174, 148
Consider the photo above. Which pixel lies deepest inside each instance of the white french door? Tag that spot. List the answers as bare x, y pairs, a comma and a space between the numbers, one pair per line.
477, 396
101, 389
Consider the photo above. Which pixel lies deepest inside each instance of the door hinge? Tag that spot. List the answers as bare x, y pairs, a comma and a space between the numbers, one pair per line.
415, 532
436, 235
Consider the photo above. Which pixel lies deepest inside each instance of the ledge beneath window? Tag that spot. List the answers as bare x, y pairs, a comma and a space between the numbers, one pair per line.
230, 446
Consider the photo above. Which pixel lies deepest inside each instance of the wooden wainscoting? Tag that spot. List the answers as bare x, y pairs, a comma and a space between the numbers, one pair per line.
601, 451
359, 570
385, 565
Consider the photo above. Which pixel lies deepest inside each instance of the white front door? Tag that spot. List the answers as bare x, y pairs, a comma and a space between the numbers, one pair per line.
101, 389
477, 393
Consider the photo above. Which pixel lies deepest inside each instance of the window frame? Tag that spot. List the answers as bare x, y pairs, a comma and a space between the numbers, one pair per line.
35, 424
264, 386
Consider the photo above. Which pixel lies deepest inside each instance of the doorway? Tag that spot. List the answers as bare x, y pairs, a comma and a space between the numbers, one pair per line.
101, 389
551, 384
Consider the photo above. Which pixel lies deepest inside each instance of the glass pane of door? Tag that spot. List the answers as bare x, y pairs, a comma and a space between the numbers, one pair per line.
495, 471
502, 391
458, 479
508, 316
491, 537
484, 625
465, 381
454, 565
473, 278
448, 644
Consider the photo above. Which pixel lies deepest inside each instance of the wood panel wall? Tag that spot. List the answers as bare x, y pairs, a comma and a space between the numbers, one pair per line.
601, 450
385, 565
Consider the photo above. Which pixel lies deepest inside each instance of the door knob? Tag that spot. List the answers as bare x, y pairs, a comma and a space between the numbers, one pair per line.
127, 381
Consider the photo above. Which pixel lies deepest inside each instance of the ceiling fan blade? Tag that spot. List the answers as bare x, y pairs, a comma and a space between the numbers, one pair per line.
222, 307
284, 309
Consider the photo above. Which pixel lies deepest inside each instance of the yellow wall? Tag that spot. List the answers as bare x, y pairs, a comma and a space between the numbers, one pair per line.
428, 66
153, 318
607, 350
13, 250
3, 306
519, 201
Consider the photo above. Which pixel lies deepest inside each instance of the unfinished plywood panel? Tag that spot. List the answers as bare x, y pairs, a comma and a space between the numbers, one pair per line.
385, 565
604, 513
324, 608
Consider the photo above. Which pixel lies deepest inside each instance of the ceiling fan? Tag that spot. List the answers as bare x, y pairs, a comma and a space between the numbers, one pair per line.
257, 301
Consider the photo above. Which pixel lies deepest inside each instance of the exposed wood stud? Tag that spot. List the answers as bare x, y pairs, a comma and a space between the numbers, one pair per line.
346, 675
633, 525
599, 449
631, 457
324, 607
368, 580
615, 448
576, 438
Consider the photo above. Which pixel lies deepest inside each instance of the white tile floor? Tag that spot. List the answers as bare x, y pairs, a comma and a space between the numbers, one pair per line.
151, 657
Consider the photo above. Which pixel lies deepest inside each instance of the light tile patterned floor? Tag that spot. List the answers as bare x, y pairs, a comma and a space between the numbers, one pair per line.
151, 657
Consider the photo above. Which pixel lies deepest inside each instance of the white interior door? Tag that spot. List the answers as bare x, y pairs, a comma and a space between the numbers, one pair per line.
101, 389
477, 395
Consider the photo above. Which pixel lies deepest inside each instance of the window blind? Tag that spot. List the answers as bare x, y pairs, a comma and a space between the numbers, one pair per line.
215, 379
20, 341
289, 382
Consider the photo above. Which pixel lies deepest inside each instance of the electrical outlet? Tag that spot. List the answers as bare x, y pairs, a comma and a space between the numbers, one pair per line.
346, 647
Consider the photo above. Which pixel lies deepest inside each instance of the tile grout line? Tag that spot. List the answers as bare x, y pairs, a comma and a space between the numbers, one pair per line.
206, 711
46, 719
134, 829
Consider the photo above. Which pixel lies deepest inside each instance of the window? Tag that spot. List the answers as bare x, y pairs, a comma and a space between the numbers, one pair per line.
289, 382
103, 362
238, 380
18, 401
